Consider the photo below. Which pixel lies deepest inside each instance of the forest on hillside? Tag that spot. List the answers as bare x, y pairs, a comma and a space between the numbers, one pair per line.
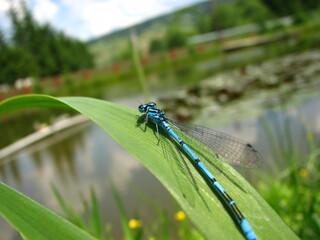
173, 30
38, 50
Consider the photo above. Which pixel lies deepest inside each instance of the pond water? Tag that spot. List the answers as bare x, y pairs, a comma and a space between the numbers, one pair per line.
86, 156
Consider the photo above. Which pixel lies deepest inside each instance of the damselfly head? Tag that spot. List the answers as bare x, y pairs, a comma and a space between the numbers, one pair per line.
143, 107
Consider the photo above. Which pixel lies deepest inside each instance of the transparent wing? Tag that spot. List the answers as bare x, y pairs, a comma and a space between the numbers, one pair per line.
233, 150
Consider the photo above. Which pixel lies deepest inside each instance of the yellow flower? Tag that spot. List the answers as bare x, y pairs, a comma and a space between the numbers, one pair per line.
134, 223
152, 238
304, 172
179, 216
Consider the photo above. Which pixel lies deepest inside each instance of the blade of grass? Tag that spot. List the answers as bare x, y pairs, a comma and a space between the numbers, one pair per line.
202, 206
95, 215
60, 200
127, 233
68, 210
34, 221
137, 64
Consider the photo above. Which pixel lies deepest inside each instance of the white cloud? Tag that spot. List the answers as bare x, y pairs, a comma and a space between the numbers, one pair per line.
4, 6
44, 10
100, 17
91, 18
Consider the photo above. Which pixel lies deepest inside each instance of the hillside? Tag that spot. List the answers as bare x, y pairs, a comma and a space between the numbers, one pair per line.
173, 30
108, 47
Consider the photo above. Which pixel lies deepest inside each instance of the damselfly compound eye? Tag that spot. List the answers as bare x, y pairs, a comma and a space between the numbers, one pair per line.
142, 108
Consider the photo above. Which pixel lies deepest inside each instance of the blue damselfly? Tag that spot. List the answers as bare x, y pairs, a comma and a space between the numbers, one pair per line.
232, 149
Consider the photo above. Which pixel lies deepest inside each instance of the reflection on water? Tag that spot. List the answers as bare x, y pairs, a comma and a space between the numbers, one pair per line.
16, 127
287, 124
87, 157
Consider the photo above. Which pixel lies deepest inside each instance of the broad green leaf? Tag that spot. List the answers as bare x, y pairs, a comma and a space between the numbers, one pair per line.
194, 195
34, 221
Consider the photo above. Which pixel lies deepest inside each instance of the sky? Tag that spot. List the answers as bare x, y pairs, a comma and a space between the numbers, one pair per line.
89, 19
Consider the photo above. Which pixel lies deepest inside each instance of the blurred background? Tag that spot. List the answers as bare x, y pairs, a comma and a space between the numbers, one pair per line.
248, 68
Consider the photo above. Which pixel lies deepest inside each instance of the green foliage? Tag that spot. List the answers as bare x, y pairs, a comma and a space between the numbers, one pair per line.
92, 224
297, 203
161, 228
124, 53
36, 49
34, 221
221, 16
156, 45
2, 40
252, 11
69, 82
175, 38
16, 63
204, 23
295, 194
239, 12
36, 85
138, 66
283, 7
203, 207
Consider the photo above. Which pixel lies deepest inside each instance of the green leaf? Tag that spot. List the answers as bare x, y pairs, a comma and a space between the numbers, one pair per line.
68, 210
194, 195
95, 218
127, 233
34, 221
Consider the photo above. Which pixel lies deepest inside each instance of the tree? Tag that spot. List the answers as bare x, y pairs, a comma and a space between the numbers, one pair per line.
239, 12
36, 49
175, 38
225, 16
15, 63
293, 7
156, 45
204, 23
